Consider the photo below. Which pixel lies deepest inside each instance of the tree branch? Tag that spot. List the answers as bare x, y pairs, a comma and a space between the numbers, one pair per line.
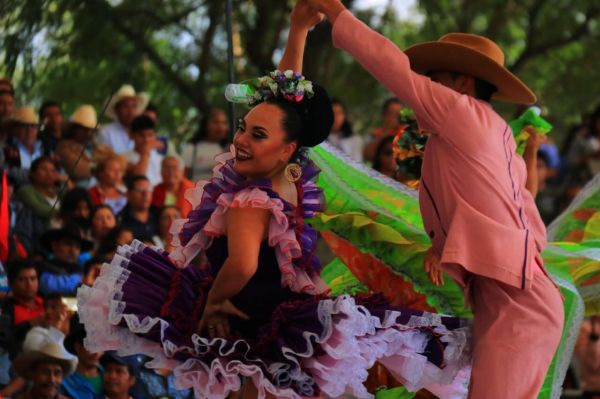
532, 50
214, 11
142, 44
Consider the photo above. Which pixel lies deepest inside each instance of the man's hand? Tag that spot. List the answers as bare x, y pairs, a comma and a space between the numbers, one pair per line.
331, 8
304, 16
431, 264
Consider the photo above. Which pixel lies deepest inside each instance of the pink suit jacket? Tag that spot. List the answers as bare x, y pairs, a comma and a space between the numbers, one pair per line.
473, 200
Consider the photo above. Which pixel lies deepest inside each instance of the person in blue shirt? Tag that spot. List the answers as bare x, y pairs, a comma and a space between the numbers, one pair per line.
86, 381
61, 273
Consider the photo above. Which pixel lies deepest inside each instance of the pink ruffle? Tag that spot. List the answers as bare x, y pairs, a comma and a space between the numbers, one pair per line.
281, 236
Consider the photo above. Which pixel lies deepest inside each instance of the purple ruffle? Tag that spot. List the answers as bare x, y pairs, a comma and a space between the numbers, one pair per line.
226, 181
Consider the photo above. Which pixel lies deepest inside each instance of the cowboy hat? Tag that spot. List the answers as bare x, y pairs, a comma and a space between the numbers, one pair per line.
473, 55
84, 115
70, 231
25, 116
126, 91
49, 352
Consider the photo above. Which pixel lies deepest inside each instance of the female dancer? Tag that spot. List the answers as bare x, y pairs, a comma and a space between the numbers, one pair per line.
258, 309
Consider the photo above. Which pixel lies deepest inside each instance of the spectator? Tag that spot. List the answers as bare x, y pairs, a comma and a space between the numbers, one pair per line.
123, 107
91, 270
86, 381
103, 220
7, 106
164, 146
173, 187
16, 249
23, 310
109, 189
76, 208
45, 369
137, 215
160, 383
120, 235
199, 154
40, 201
51, 119
384, 161
120, 375
61, 273
342, 135
390, 123
144, 159
54, 326
166, 216
23, 146
587, 351
75, 151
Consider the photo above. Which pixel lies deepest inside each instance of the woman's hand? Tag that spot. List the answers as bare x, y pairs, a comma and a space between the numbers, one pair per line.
304, 16
431, 264
215, 319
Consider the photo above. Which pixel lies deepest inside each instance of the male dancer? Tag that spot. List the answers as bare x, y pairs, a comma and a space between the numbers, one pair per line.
485, 230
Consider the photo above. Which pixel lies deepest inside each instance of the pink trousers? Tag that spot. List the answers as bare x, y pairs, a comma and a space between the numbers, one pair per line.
515, 335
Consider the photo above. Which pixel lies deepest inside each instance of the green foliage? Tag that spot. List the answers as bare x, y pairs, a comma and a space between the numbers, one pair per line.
77, 51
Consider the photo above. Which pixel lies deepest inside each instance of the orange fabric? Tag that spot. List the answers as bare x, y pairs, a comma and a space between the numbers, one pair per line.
159, 194
376, 275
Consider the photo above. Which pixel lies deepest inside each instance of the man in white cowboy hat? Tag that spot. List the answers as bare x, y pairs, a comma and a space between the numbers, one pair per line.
77, 138
485, 230
44, 368
123, 107
24, 146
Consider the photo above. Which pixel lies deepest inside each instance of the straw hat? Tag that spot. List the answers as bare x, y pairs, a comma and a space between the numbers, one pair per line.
50, 351
126, 91
85, 115
25, 116
473, 55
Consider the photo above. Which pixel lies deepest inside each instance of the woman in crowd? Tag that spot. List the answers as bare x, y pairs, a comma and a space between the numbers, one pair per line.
166, 216
342, 135
103, 220
109, 189
199, 154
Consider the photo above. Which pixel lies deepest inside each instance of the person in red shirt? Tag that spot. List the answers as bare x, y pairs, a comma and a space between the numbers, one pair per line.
23, 281
173, 187
21, 310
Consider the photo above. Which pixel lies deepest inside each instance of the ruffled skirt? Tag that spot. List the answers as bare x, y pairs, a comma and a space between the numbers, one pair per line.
319, 347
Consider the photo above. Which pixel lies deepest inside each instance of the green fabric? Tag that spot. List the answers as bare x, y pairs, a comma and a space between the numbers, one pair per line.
95, 382
395, 393
33, 199
382, 218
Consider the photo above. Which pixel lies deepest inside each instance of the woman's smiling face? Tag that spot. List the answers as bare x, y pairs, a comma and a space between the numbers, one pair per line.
260, 142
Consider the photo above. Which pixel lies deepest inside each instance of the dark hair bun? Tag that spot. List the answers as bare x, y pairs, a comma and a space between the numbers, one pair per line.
318, 117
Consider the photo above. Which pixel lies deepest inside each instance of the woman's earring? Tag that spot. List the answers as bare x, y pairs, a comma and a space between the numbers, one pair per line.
293, 172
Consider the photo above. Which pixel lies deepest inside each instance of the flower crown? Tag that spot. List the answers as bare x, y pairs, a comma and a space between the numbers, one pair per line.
290, 85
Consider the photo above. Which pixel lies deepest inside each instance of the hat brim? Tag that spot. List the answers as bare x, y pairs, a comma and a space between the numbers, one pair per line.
24, 362
450, 57
142, 102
